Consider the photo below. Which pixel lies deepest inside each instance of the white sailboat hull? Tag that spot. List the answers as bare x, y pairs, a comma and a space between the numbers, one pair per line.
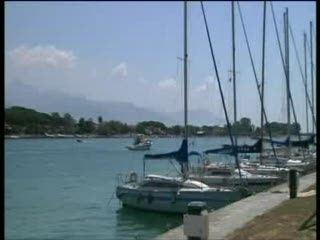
265, 170
269, 172
299, 165
172, 201
252, 183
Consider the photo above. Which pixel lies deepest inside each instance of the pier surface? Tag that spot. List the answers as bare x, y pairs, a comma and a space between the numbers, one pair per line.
227, 219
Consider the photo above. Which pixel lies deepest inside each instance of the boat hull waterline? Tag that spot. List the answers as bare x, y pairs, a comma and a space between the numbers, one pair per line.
172, 201
139, 147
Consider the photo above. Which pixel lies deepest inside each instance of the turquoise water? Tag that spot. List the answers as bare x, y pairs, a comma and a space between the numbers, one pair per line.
62, 189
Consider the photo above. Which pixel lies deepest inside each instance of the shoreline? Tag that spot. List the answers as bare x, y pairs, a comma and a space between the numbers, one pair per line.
17, 137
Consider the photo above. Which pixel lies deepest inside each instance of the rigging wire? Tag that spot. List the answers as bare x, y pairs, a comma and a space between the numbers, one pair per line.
221, 93
286, 75
306, 81
257, 84
311, 70
302, 75
174, 166
283, 102
308, 52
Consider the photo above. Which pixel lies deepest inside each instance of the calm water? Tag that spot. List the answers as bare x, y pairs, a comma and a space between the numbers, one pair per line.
61, 189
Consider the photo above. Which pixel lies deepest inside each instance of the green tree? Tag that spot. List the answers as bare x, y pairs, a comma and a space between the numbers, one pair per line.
153, 127
140, 128
69, 123
29, 121
103, 129
115, 126
176, 130
81, 126
89, 126
56, 119
243, 126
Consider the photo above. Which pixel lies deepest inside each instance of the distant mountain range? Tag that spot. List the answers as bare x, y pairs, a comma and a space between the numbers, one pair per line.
20, 94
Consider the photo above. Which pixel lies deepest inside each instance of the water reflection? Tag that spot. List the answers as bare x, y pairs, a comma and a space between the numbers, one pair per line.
132, 223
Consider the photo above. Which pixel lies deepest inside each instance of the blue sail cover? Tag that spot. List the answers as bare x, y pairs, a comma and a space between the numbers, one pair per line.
304, 143
299, 143
227, 149
312, 139
181, 156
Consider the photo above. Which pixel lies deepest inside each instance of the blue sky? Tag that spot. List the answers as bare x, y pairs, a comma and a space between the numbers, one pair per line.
127, 51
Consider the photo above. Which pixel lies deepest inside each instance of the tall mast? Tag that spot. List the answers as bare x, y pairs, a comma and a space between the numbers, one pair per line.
286, 44
311, 57
262, 74
184, 166
185, 71
221, 93
306, 77
234, 75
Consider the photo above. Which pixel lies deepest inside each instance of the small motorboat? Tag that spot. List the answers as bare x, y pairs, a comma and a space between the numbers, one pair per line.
140, 143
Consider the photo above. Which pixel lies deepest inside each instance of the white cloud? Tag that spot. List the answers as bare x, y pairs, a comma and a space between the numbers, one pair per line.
168, 83
209, 79
141, 79
201, 88
208, 83
120, 70
47, 55
93, 73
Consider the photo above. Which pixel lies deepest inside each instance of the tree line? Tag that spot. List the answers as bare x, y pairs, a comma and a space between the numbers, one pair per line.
20, 120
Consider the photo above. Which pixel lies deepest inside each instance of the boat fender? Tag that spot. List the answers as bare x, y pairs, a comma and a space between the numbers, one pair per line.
133, 177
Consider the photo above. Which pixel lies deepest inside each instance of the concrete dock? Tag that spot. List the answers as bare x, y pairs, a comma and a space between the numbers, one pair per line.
227, 219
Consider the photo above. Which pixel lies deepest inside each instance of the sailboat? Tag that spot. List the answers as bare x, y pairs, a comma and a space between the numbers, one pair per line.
227, 175
140, 143
173, 194
256, 178
291, 159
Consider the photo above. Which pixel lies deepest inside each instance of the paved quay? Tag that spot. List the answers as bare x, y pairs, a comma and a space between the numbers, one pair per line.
227, 219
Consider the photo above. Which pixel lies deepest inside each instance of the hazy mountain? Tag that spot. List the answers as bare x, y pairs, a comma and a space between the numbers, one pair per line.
20, 94
197, 117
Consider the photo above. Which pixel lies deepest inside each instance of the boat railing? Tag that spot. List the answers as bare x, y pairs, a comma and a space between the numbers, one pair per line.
124, 178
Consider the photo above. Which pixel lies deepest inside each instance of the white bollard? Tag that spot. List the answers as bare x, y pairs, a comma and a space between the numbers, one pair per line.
196, 221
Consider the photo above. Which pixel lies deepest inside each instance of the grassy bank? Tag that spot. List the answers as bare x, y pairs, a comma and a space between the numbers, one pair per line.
293, 219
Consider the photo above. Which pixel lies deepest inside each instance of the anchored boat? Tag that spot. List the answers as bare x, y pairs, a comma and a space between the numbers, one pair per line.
140, 143
169, 194
226, 175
